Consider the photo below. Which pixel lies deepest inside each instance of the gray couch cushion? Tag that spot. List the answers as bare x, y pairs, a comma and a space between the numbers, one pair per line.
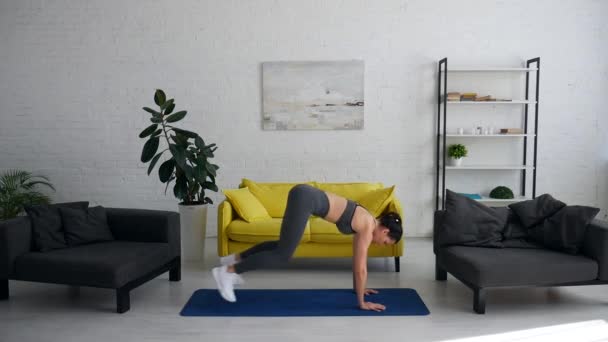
468, 222
107, 264
486, 267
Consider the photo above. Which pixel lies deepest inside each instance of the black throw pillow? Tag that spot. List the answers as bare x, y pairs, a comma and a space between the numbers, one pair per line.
47, 228
470, 223
533, 212
84, 226
565, 230
514, 229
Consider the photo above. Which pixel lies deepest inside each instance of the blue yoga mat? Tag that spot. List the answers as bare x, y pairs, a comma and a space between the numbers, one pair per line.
317, 302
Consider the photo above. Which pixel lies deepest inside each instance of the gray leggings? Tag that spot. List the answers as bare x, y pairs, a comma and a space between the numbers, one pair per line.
303, 201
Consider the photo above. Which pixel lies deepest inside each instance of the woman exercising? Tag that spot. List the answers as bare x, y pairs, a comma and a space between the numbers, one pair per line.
302, 202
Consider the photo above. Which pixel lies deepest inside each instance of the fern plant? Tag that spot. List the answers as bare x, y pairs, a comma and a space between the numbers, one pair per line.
17, 188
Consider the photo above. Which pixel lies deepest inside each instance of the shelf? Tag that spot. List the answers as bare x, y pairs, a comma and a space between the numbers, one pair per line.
489, 167
482, 69
490, 102
486, 199
487, 135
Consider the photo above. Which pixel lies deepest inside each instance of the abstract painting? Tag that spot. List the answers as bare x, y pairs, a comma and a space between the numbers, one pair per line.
324, 95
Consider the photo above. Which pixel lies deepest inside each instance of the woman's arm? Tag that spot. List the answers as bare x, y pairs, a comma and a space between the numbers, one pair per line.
361, 243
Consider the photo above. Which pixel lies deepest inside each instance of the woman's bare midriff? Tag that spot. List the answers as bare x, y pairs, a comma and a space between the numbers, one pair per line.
337, 205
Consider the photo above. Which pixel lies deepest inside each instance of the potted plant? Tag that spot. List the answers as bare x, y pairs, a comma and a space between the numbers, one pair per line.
187, 164
502, 192
17, 190
456, 152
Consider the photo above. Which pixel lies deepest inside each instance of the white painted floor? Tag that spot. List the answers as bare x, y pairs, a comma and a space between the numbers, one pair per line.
43, 312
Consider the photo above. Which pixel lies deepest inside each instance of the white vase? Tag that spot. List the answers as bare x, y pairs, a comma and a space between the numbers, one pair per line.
193, 222
456, 161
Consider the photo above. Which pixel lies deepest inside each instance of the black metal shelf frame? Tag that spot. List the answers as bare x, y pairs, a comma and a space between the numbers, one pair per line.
442, 106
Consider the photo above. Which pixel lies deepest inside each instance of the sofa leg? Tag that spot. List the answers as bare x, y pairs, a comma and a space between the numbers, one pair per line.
175, 273
123, 301
440, 273
3, 289
397, 265
479, 302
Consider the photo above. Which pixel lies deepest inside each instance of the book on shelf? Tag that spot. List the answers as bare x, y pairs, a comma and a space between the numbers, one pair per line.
485, 98
471, 196
468, 96
453, 96
511, 131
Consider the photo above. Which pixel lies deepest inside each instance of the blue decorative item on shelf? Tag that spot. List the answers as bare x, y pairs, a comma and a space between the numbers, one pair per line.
471, 196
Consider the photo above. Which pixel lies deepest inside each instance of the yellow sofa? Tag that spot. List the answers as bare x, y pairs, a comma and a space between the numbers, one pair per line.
321, 238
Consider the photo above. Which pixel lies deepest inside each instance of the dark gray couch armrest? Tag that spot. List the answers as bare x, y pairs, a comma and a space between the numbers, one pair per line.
436, 224
595, 246
145, 225
15, 240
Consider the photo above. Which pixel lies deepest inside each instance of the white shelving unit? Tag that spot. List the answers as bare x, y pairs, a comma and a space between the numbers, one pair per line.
462, 103
531, 66
482, 136
489, 167
488, 69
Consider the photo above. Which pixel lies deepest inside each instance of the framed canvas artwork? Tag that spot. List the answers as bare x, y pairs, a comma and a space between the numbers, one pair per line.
326, 95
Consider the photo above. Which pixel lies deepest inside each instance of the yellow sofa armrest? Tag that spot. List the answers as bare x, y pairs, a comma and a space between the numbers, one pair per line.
225, 215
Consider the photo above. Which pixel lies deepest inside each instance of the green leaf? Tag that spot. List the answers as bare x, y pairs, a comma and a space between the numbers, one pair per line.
207, 200
180, 190
210, 169
152, 111
166, 105
180, 140
208, 153
148, 131
184, 132
153, 163
159, 97
210, 186
150, 148
168, 182
166, 170
200, 173
156, 120
199, 142
169, 108
176, 116
189, 172
179, 154
157, 132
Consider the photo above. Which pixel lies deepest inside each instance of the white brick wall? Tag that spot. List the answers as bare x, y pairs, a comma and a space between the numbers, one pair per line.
75, 74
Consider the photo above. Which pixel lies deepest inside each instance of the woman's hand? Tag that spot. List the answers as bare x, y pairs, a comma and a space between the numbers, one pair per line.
372, 306
370, 291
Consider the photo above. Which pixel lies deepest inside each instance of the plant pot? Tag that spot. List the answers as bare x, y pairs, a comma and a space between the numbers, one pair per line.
193, 222
456, 161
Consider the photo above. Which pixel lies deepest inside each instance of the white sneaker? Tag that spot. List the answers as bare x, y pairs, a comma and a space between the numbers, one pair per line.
228, 260
225, 282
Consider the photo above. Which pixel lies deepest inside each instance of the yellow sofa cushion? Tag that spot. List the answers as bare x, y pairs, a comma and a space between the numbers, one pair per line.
352, 191
246, 204
377, 201
273, 196
259, 231
327, 232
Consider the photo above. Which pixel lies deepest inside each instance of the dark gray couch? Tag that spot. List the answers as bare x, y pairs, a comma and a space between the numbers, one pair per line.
147, 244
482, 268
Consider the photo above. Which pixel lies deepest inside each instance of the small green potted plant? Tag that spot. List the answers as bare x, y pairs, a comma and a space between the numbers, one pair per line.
457, 152
501, 192
188, 164
17, 189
